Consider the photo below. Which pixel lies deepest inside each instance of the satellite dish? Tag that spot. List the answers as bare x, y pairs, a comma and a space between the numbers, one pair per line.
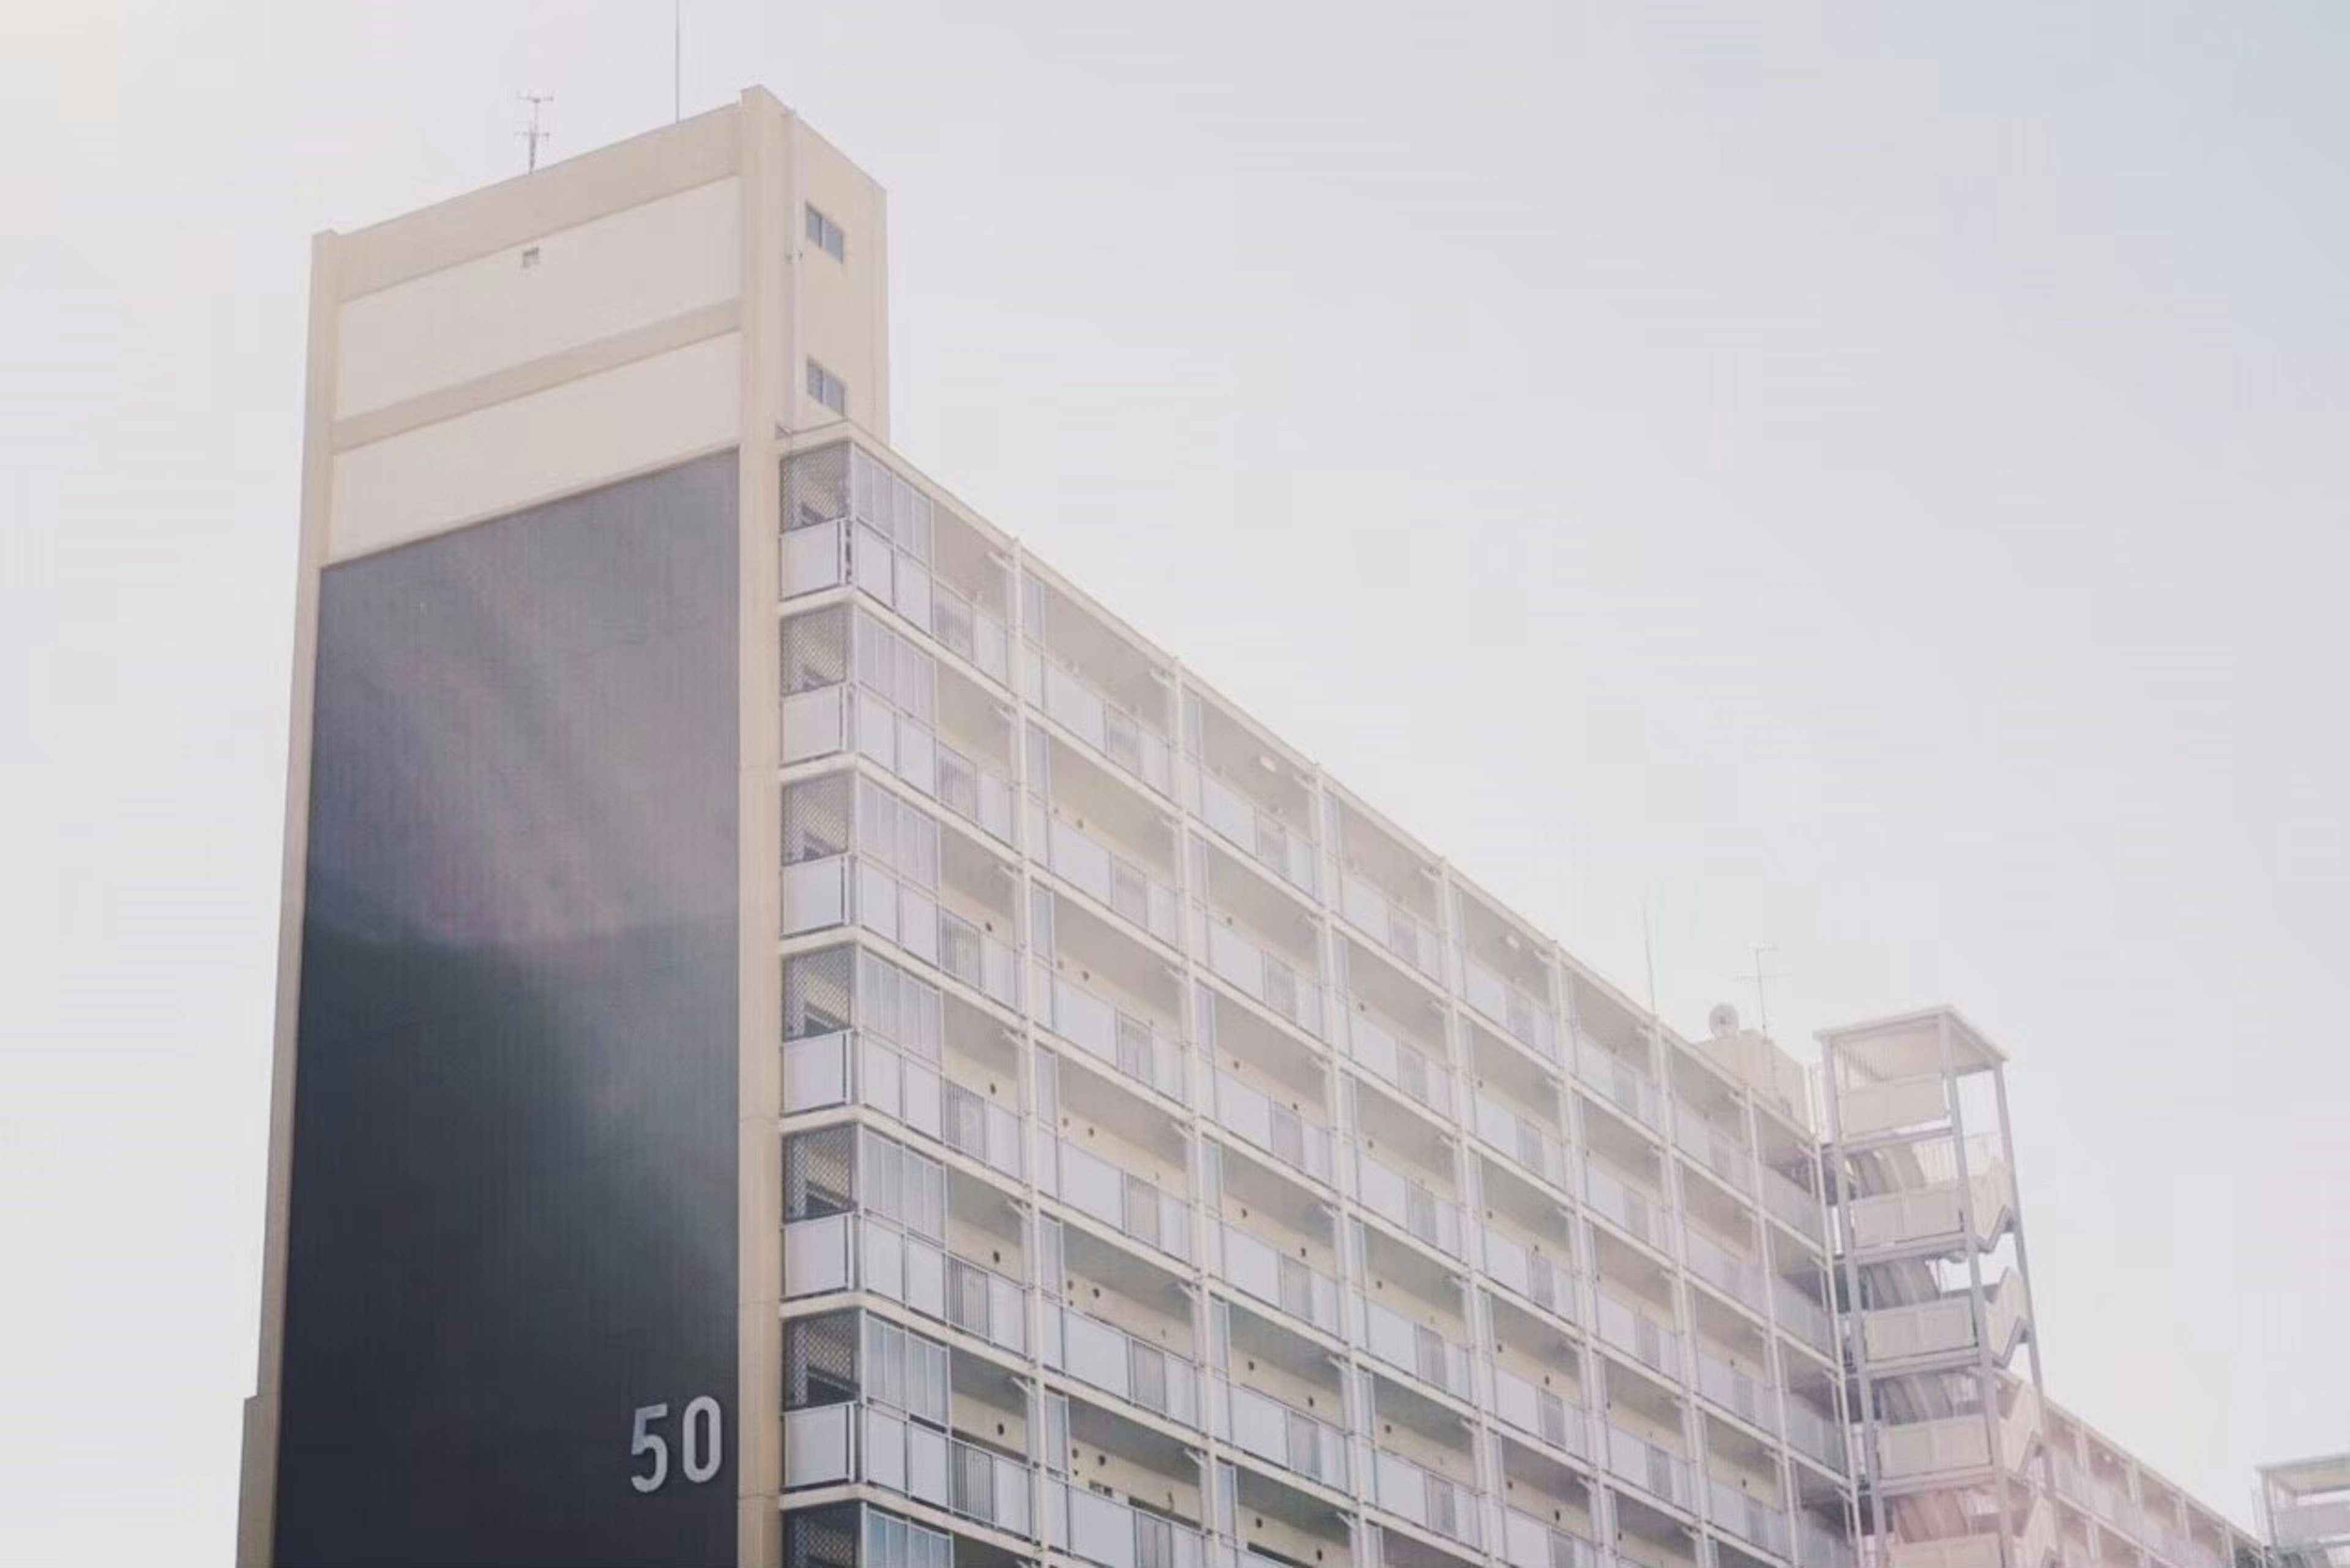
1722, 1021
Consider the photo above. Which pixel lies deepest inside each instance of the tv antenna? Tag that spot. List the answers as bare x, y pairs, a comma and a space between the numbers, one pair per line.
1760, 979
532, 134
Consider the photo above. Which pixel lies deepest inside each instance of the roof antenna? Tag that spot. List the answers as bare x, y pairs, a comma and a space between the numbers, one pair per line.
532, 134
676, 61
1759, 981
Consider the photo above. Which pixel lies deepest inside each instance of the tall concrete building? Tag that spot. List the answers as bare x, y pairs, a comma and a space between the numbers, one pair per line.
803, 1038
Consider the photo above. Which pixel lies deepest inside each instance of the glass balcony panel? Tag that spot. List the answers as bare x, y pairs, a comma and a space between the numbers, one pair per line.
814, 558
1822, 1548
1263, 836
1281, 1434
1396, 1063
1119, 1199
1631, 1210
1531, 1274
816, 895
1524, 1018
818, 1448
1790, 1203
1102, 1030
1722, 1268
1747, 1517
1819, 1436
1521, 1136
1103, 1530
1394, 928
1115, 733
1646, 1466
1803, 1317
1258, 1268
816, 1071
1640, 1336
1280, 1131
1736, 1392
1415, 1349
1260, 975
1106, 1357
1425, 1498
1620, 1085
1711, 1148
1541, 1412
1406, 1203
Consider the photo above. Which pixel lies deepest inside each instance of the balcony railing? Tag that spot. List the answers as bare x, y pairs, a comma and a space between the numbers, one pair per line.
1559, 1422
1391, 926
1802, 1316
1822, 1548
1639, 1336
1523, 1137
1406, 1203
2300, 1524
1098, 1529
1818, 1435
1724, 1270
865, 1251
826, 554
1735, 1392
1425, 1498
1395, 1061
1747, 1517
1268, 1273
1626, 1206
828, 719
1114, 880
1525, 1018
1280, 1434
1129, 745
1118, 1199
1792, 1204
1713, 1148
1258, 1119
1272, 843
844, 889
1648, 1466
834, 1443
1619, 1084
1529, 1543
1536, 1276
1107, 1032
1259, 974
824, 1069
1415, 1349
1104, 1354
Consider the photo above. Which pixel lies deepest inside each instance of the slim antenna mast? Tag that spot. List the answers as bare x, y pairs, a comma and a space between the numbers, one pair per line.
532, 134
1759, 979
676, 61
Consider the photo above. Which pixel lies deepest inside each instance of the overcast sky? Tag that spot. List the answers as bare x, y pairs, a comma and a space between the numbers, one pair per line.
1872, 480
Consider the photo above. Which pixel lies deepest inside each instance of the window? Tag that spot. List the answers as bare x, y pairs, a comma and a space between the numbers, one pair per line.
827, 388
825, 235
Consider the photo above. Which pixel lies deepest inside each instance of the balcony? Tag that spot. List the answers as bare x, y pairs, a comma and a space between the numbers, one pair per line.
828, 719
1257, 1119
1416, 1349
1526, 1019
1107, 1032
1259, 1269
866, 1253
831, 1444
1280, 1434
1818, 1435
1113, 732
1944, 1326
826, 554
1425, 1498
1395, 929
1620, 1083
1755, 1403
1110, 878
1406, 1203
1540, 1414
1797, 1208
1934, 1214
1747, 1517
1714, 1149
1535, 1276
1260, 834
1637, 1334
1724, 1270
2304, 1524
1123, 1202
846, 889
1864, 1110
1631, 1211
1661, 1474
1258, 973
1822, 1548
1098, 1529
1398, 1063
1100, 1352
1521, 1136
1958, 1444
1802, 1316
825, 1070
1528, 1543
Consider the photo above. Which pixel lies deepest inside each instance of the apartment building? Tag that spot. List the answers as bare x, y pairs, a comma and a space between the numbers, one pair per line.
2305, 1507
805, 1039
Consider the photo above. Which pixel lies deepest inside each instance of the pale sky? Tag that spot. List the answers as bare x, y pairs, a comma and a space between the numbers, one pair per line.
1870, 480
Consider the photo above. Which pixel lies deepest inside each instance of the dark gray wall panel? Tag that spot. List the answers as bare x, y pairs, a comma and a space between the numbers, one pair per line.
513, 1218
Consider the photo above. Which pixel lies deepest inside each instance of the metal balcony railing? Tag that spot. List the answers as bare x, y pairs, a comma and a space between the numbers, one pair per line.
865, 1251
848, 889
1107, 1032
1280, 1433
1525, 1018
1130, 745
1260, 974
1119, 1199
1523, 1138
1110, 877
1555, 1420
1098, 1352
1406, 1202
1397, 1061
846, 1065
1269, 1274
1620, 1083
1639, 1336
1280, 1130
1395, 929
1263, 837
1415, 1349
1425, 1498
1541, 1279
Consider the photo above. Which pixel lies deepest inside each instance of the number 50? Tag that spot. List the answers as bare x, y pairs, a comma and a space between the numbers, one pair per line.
702, 1444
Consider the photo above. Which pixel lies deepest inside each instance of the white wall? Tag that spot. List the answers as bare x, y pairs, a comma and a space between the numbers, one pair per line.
624, 421
632, 268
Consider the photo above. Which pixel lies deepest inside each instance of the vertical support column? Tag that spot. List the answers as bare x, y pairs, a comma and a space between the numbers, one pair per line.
1835, 1194
257, 1491
2015, 1204
1986, 1384
767, 179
